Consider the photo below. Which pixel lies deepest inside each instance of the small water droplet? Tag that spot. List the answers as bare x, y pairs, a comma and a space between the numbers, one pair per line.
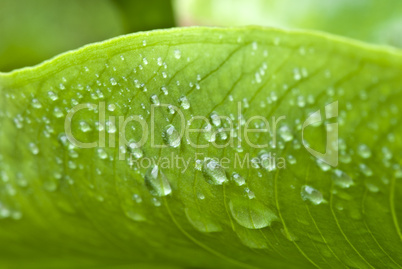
155, 100
113, 81
135, 216
36, 103
215, 119
285, 133
238, 179
134, 150
156, 202
184, 103
84, 127
53, 96
111, 107
57, 112
311, 194
171, 136
33, 148
102, 153
342, 179
213, 172
157, 182
177, 54
364, 151
365, 170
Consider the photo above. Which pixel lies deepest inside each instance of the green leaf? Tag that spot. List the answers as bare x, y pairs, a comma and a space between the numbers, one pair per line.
33, 31
377, 21
146, 15
69, 206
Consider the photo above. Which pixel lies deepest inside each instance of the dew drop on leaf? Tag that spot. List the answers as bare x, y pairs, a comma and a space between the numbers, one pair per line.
156, 182
251, 214
213, 172
171, 136
311, 194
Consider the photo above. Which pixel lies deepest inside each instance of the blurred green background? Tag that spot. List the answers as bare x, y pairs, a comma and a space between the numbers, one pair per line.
33, 31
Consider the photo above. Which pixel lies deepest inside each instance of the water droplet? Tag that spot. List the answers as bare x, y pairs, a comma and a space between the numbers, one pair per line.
266, 161
285, 133
137, 198
164, 90
387, 153
157, 182
135, 215
144, 42
84, 127
113, 81
238, 179
156, 202
102, 153
254, 45
323, 166
50, 185
159, 61
371, 187
311, 194
111, 107
215, 119
177, 54
296, 74
145, 61
134, 150
171, 136
33, 148
258, 77
365, 170
53, 96
57, 112
155, 100
200, 222
251, 214
342, 179
364, 151
213, 172
250, 194
184, 103
36, 103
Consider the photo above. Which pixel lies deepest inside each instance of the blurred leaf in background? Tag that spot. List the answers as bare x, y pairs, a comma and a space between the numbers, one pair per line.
138, 15
377, 21
33, 31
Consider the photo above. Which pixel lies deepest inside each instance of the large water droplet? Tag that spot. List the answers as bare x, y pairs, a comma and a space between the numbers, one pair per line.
200, 222
251, 214
157, 182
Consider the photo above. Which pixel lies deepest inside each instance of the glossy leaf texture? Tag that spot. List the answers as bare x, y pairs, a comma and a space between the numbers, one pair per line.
62, 205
